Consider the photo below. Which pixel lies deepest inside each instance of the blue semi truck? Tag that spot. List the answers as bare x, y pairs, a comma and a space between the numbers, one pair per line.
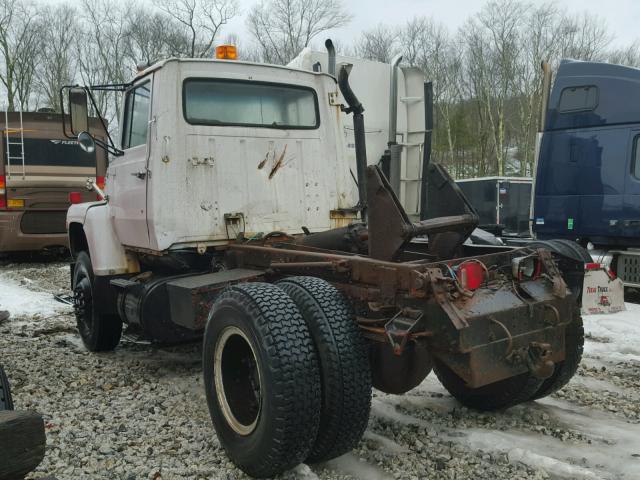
587, 183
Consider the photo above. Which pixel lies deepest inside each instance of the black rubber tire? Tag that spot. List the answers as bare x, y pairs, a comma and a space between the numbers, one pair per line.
574, 333
566, 369
344, 365
6, 401
570, 250
289, 378
499, 395
579, 252
99, 331
564, 247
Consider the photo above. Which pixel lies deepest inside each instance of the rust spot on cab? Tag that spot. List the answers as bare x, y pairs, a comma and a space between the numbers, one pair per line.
278, 164
263, 162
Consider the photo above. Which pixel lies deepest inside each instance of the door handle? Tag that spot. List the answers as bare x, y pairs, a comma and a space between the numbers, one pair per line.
141, 174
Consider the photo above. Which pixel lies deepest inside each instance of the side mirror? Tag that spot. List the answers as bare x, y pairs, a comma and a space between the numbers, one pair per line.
86, 142
79, 111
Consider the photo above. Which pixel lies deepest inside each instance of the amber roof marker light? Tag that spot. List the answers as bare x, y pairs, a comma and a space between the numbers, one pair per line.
226, 52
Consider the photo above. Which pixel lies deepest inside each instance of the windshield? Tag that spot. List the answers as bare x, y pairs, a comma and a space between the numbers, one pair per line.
225, 102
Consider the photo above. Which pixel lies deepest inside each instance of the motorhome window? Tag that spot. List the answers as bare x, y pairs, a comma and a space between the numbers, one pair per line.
635, 167
256, 104
578, 99
136, 116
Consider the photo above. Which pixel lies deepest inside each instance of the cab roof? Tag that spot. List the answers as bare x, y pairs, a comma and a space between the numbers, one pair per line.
160, 64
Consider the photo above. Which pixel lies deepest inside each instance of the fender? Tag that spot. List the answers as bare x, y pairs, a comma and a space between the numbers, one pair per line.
108, 256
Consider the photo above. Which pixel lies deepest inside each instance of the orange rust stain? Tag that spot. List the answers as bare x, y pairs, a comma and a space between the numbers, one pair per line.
278, 164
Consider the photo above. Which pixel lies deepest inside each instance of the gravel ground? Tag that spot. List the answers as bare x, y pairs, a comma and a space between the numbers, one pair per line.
140, 412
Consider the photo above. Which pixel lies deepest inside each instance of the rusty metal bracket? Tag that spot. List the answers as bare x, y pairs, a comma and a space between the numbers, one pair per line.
400, 327
441, 295
559, 285
539, 360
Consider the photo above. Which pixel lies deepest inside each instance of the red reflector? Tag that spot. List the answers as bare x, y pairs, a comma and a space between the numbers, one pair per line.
592, 266
75, 197
100, 182
3, 192
471, 275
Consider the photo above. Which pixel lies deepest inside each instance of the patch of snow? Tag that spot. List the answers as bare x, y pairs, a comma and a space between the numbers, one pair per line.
610, 453
598, 385
622, 330
304, 472
385, 443
20, 301
550, 465
387, 410
352, 465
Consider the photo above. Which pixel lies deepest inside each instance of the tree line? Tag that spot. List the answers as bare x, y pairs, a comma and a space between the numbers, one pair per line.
486, 74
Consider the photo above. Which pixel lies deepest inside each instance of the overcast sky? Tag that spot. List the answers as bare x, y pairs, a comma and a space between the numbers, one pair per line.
621, 16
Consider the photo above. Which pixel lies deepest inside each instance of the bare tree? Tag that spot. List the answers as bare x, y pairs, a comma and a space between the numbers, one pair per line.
629, 55
58, 64
20, 41
151, 36
103, 56
380, 44
201, 21
282, 28
583, 37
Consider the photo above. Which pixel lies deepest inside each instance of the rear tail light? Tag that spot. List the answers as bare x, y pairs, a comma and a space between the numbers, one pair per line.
75, 197
526, 268
3, 192
471, 275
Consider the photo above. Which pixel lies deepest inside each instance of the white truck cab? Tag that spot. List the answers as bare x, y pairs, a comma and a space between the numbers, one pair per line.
234, 213
215, 148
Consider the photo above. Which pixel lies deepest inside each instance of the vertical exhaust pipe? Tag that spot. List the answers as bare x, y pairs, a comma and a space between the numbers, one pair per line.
426, 151
546, 91
331, 61
393, 99
395, 150
355, 107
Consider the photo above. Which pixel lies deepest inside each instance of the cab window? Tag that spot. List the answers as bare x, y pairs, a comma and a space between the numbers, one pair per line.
221, 102
136, 116
578, 99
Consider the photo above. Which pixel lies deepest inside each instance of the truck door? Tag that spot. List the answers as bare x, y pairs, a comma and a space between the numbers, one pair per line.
129, 173
631, 220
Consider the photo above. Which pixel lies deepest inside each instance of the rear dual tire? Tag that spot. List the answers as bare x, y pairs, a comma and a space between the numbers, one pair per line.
6, 401
495, 396
261, 379
525, 387
521, 388
574, 332
344, 365
286, 374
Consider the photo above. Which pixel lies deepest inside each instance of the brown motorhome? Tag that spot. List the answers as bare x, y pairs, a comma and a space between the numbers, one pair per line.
41, 173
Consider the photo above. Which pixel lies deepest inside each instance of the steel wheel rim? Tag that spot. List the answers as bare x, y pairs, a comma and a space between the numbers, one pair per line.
237, 380
83, 304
